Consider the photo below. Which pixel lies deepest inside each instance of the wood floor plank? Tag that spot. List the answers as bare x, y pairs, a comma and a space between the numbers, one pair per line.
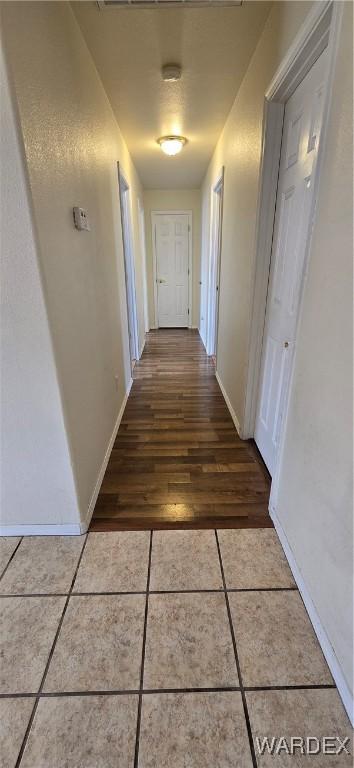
177, 461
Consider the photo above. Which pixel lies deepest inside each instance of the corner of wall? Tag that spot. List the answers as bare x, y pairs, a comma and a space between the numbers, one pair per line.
38, 485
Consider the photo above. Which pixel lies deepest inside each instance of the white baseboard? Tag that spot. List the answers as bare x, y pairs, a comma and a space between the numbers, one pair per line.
203, 340
100, 477
141, 350
227, 401
61, 529
71, 529
321, 634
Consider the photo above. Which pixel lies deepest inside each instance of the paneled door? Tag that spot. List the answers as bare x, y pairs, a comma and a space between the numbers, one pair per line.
171, 236
301, 135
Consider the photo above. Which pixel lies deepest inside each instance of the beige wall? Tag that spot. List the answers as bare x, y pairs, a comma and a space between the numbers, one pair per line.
239, 150
315, 500
36, 473
72, 145
173, 200
314, 505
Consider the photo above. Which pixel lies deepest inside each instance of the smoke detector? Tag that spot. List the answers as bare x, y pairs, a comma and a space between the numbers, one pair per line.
171, 73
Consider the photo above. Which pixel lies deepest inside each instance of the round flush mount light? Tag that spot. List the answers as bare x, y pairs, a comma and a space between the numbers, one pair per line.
172, 145
171, 73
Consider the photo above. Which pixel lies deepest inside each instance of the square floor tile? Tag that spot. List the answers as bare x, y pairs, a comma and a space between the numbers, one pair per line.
188, 642
275, 640
27, 630
83, 732
198, 730
99, 645
300, 713
185, 560
254, 559
14, 719
114, 562
43, 564
7, 546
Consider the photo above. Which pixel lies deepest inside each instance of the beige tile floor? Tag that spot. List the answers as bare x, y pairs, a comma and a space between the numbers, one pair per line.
158, 650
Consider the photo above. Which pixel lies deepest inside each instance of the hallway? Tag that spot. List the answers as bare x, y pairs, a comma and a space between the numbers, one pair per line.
176, 176
177, 460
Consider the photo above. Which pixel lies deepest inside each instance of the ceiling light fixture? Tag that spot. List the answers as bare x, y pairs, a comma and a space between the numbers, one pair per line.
172, 145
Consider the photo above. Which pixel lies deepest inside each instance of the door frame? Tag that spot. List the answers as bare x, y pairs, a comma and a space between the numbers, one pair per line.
319, 31
215, 242
176, 212
129, 266
141, 214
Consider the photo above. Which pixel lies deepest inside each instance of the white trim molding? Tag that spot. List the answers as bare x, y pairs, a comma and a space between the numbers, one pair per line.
188, 213
141, 350
214, 263
228, 403
126, 215
103, 468
60, 529
321, 634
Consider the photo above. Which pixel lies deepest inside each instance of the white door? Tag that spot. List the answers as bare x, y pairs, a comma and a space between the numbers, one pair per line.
301, 133
172, 269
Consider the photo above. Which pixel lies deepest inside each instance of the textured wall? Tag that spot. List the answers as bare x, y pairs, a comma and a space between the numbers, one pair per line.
72, 145
315, 501
173, 200
239, 150
37, 483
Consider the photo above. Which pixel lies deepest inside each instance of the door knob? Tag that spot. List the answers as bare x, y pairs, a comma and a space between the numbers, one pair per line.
286, 344
161, 281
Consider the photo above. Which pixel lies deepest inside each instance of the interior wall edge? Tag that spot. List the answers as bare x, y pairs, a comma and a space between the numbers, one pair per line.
84, 269
27, 320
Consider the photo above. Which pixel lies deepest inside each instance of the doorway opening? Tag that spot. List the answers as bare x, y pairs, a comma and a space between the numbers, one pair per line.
129, 267
300, 141
214, 265
172, 264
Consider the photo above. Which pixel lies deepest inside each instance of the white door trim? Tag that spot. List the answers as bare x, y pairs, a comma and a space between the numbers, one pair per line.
141, 213
212, 309
129, 262
154, 214
320, 30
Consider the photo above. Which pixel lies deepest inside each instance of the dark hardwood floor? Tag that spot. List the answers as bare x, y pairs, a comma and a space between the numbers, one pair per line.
177, 461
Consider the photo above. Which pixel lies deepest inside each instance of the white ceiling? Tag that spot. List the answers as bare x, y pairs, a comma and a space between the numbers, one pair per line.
129, 47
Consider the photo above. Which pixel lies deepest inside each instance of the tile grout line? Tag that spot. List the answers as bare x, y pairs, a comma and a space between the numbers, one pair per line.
11, 558
51, 652
148, 691
141, 686
151, 592
238, 667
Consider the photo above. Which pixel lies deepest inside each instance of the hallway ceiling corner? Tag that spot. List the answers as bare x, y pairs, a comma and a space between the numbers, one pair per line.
130, 46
